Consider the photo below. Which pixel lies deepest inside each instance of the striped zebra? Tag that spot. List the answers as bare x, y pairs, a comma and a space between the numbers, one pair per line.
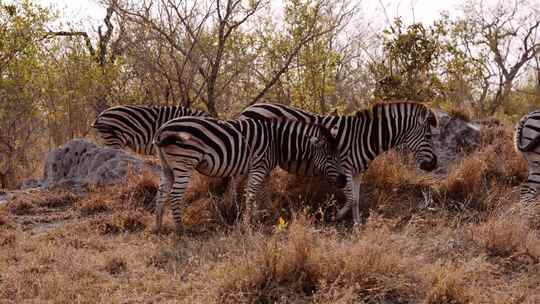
527, 142
237, 147
363, 136
134, 127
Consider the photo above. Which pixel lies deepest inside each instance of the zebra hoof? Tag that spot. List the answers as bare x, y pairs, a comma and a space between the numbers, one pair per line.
342, 212
357, 228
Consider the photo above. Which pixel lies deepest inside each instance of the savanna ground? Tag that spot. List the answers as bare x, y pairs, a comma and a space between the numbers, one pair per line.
430, 238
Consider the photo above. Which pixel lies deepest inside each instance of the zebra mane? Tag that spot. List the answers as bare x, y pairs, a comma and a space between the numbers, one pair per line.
331, 139
368, 112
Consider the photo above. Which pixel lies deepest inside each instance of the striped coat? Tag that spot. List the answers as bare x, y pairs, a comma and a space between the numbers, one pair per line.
231, 148
527, 143
134, 127
362, 137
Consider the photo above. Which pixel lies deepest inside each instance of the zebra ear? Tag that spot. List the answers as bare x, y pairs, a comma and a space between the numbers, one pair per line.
334, 131
317, 141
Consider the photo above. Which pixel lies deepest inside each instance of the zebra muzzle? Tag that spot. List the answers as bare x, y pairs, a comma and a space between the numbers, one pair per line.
341, 181
429, 165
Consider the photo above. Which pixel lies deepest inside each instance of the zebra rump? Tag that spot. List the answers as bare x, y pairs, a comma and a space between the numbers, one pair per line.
134, 127
527, 142
529, 123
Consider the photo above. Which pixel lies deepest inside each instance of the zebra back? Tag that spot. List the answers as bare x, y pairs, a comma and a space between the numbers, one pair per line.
369, 132
280, 111
225, 146
134, 127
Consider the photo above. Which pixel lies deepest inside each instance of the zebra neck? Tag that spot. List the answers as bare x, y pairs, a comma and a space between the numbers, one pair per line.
288, 140
386, 128
368, 133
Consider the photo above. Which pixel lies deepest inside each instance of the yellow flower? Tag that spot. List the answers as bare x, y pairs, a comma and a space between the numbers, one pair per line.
281, 224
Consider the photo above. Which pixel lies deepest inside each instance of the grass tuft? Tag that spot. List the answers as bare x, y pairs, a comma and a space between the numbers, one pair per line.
460, 113
501, 236
448, 286
130, 221
115, 266
93, 206
141, 190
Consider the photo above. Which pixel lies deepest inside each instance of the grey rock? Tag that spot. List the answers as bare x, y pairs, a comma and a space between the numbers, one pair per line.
80, 163
454, 137
29, 184
3, 197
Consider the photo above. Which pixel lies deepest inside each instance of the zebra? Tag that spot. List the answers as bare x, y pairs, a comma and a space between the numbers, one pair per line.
527, 142
237, 147
134, 127
362, 137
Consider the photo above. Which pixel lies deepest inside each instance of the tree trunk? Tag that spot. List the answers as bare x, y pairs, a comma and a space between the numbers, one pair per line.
537, 82
502, 94
211, 101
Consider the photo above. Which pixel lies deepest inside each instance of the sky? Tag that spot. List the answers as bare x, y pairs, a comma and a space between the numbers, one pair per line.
424, 10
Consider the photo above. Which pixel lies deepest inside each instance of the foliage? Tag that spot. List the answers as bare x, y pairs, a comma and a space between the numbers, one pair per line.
21, 83
424, 64
408, 70
319, 55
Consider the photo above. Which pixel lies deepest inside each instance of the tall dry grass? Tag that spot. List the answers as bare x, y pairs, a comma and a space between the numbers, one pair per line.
430, 238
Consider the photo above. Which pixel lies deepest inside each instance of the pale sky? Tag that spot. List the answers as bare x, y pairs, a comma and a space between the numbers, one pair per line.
88, 13
424, 10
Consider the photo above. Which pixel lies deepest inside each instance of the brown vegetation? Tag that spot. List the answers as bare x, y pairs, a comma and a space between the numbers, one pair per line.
436, 238
460, 113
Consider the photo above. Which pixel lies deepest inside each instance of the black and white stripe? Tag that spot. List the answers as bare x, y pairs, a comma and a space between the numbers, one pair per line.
363, 136
237, 147
134, 127
527, 142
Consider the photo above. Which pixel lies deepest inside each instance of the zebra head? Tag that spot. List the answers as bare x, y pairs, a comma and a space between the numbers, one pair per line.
326, 155
418, 139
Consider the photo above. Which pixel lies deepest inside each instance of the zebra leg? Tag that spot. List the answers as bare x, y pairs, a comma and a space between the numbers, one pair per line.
529, 189
356, 200
527, 203
162, 196
352, 196
182, 176
255, 184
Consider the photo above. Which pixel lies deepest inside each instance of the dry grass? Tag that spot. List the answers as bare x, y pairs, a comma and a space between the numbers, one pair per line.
302, 265
28, 203
430, 239
140, 191
501, 236
492, 169
464, 114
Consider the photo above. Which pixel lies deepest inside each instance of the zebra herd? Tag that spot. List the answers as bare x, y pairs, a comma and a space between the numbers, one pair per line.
362, 137
268, 135
232, 148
